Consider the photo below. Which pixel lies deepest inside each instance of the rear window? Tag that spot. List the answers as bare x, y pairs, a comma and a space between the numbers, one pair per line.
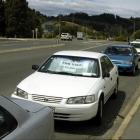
7, 123
116, 50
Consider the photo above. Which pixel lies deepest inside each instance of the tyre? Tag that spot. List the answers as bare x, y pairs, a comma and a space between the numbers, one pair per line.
133, 71
137, 67
115, 93
99, 116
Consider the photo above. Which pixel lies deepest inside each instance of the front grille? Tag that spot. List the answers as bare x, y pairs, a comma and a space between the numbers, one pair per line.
47, 99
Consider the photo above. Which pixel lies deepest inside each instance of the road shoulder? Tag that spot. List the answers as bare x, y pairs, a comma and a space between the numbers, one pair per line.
127, 121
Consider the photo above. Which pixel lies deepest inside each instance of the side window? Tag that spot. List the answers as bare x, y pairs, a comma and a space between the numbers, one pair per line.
7, 122
103, 66
109, 64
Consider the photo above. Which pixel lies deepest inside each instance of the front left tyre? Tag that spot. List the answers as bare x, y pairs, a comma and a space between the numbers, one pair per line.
99, 116
115, 93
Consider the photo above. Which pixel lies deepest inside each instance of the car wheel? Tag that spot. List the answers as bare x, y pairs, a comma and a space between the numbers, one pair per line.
115, 93
99, 116
134, 71
137, 67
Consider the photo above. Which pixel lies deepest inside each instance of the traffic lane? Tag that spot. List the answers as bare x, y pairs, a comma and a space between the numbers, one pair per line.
10, 44
76, 44
14, 44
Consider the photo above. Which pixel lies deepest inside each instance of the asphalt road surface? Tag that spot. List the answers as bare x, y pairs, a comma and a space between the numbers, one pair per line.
16, 65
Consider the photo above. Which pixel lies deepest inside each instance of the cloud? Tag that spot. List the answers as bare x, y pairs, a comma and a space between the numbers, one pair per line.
125, 8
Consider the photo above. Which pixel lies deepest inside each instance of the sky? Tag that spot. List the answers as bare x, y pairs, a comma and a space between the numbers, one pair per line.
123, 8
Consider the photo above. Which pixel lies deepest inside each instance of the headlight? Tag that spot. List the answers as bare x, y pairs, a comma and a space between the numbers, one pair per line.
81, 100
127, 62
21, 93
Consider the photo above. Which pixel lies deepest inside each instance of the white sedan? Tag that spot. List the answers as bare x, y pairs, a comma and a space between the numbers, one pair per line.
76, 84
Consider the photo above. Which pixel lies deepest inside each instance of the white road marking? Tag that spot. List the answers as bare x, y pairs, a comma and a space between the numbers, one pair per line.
127, 119
30, 48
96, 46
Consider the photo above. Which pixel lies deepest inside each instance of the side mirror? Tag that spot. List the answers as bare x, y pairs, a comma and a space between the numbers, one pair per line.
35, 67
107, 74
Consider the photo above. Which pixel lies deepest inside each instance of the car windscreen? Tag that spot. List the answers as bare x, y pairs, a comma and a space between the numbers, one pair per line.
71, 65
117, 50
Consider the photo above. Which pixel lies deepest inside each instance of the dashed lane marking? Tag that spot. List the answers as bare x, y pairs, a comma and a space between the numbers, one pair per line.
31, 48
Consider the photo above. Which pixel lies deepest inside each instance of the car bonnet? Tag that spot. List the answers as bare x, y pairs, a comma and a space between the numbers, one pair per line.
120, 57
58, 85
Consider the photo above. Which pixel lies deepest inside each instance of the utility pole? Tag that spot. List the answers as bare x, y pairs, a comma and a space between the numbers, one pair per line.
86, 32
59, 28
73, 21
33, 31
36, 32
134, 27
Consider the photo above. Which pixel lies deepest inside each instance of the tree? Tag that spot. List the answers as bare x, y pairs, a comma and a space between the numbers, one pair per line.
21, 20
35, 19
136, 35
2, 18
17, 23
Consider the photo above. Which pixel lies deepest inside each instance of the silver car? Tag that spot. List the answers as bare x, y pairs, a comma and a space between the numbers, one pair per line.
25, 120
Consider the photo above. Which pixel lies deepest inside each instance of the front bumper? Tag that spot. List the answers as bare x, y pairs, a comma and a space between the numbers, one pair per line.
71, 112
125, 68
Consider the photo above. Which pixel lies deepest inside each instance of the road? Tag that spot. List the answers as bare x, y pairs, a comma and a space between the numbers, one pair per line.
16, 65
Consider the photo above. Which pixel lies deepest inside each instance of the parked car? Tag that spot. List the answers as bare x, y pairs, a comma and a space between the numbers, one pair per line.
136, 44
66, 36
75, 83
124, 56
25, 120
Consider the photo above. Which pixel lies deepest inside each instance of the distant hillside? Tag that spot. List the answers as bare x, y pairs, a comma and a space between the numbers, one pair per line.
106, 25
55, 27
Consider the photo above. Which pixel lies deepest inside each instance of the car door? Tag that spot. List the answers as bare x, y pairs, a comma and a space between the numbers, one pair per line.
136, 56
106, 80
113, 73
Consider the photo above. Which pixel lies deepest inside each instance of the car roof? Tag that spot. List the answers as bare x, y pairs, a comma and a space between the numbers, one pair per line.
78, 53
65, 33
123, 45
135, 41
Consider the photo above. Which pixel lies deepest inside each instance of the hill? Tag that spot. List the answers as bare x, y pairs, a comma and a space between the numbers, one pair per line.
104, 25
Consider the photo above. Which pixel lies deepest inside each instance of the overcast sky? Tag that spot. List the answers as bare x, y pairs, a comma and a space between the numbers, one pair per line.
123, 8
